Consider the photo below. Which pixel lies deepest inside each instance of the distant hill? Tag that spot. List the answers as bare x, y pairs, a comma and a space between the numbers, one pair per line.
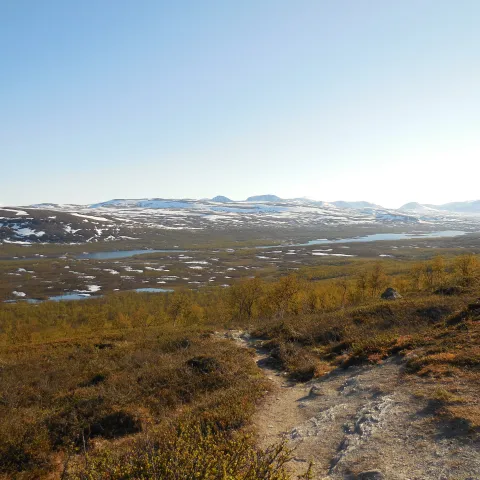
145, 203
264, 198
40, 225
462, 207
472, 207
221, 199
44, 205
355, 205
418, 208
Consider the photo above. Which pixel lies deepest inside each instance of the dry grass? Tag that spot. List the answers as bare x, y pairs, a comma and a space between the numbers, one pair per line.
62, 396
123, 386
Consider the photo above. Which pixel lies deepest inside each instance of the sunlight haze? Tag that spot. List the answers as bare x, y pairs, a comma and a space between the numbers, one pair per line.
347, 100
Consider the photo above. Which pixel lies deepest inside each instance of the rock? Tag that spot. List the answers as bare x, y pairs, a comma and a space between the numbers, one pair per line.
371, 475
237, 335
315, 391
390, 294
295, 434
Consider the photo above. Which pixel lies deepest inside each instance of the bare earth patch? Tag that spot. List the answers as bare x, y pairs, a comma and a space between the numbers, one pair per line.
361, 419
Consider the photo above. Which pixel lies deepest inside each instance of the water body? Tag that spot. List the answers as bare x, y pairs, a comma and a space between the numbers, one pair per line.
27, 300
79, 296
154, 290
65, 297
379, 237
122, 254
71, 296
115, 254
54, 298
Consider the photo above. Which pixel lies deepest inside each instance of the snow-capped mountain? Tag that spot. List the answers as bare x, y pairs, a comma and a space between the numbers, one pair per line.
470, 207
462, 207
221, 199
355, 205
147, 203
133, 218
264, 198
415, 207
261, 210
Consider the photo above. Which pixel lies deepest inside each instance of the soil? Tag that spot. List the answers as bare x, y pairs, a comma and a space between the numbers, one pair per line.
362, 419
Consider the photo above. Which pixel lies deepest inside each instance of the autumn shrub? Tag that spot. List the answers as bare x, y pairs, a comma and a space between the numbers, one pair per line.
186, 450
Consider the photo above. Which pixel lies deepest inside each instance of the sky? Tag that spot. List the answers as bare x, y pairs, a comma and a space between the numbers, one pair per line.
334, 100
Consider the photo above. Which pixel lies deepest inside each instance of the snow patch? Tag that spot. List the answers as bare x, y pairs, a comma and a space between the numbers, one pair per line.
90, 217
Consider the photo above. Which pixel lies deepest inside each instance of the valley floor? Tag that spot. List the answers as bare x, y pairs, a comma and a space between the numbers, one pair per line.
315, 360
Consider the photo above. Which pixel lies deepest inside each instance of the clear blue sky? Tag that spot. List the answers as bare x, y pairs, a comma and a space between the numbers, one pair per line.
339, 99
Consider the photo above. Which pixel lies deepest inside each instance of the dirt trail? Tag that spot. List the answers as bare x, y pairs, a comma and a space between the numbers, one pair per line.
362, 419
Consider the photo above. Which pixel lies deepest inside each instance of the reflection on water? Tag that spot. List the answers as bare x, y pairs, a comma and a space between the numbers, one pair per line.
71, 296
84, 296
122, 254
379, 237
154, 290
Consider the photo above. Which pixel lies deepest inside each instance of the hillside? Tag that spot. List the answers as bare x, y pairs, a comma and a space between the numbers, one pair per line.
221, 199
355, 205
416, 207
134, 385
471, 207
264, 198
156, 217
55, 225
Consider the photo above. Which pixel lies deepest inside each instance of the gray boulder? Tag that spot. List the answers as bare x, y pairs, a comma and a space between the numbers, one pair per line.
390, 294
316, 391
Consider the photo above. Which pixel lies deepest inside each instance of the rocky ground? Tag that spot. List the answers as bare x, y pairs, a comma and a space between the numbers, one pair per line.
364, 422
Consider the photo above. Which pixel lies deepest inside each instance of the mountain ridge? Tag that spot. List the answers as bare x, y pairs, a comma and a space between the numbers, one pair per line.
221, 199
355, 205
462, 207
470, 206
264, 198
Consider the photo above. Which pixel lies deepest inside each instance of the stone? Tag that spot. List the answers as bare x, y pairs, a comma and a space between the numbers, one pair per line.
315, 391
390, 294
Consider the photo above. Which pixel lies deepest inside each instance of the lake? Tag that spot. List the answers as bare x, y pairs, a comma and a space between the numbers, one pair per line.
82, 296
115, 254
122, 254
153, 290
380, 237
322, 241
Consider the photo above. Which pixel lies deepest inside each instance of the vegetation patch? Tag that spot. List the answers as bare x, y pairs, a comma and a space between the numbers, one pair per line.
133, 385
